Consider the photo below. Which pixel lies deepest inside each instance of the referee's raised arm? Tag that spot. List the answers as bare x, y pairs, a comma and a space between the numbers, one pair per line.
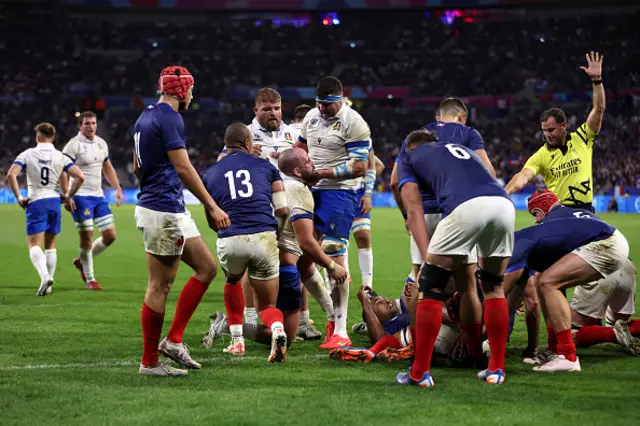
594, 71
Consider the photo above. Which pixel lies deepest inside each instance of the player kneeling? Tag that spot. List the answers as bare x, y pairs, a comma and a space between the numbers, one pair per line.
245, 187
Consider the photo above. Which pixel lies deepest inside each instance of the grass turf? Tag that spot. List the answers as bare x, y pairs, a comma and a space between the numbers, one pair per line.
72, 358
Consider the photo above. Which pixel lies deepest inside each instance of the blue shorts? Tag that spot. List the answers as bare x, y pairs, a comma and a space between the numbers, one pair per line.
90, 208
359, 214
334, 212
44, 216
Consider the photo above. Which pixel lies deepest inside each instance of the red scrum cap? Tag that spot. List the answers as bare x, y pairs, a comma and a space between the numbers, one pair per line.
541, 200
175, 81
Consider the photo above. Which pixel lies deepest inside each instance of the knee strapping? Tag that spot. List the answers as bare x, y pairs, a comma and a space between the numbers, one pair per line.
361, 224
433, 278
488, 277
290, 292
333, 246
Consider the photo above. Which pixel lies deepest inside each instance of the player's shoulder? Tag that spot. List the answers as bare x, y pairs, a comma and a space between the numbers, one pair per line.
350, 115
313, 114
26, 153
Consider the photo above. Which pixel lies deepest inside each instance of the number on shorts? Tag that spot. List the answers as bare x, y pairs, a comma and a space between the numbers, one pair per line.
44, 176
245, 182
458, 152
136, 143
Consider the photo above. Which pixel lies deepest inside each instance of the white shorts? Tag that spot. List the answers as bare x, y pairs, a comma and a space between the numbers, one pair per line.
605, 256
484, 222
617, 292
432, 220
165, 233
257, 253
445, 340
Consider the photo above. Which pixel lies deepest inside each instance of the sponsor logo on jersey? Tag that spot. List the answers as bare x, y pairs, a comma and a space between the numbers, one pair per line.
287, 136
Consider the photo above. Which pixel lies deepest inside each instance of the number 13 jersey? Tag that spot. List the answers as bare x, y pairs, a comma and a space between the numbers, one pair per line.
240, 184
44, 165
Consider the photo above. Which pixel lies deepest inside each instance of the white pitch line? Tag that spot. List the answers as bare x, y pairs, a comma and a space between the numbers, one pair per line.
231, 358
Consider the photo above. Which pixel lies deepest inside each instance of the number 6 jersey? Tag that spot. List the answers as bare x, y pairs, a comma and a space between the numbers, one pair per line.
44, 165
240, 184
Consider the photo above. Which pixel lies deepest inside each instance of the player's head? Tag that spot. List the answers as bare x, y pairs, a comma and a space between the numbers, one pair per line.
383, 308
238, 137
419, 137
87, 123
554, 127
296, 162
177, 82
329, 96
268, 108
300, 112
452, 110
45, 133
540, 202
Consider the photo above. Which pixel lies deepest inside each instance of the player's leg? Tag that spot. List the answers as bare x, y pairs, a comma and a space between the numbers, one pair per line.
51, 256
362, 233
250, 313
37, 214
83, 218
314, 283
470, 308
289, 294
103, 219
306, 330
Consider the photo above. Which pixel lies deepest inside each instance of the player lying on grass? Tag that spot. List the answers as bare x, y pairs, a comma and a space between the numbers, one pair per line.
612, 296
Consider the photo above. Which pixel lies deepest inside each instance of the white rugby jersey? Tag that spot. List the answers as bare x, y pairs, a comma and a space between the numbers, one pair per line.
90, 156
44, 165
276, 141
335, 141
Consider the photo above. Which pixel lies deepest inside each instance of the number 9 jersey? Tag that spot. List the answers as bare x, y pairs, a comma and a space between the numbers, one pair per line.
44, 166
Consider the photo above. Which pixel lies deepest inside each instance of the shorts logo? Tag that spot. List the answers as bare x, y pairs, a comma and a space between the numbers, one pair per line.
87, 211
333, 226
180, 242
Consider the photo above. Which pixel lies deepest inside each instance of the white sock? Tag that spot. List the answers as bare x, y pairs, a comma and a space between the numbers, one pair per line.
86, 258
52, 260
340, 296
250, 315
319, 291
98, 247
39, 261
236, 330
304, 317
365, 259
277, 327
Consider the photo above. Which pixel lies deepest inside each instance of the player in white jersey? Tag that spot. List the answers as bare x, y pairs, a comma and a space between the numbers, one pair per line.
44, 165
338, 141
90, 152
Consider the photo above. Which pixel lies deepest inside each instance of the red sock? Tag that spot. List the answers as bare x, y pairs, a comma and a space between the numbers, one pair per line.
413, 334
151, 331
496, 319
189, 299
634, 328
474, 333
234, 303
271, 315
594, 334
551, 340
387, 341
566, 346
428, 321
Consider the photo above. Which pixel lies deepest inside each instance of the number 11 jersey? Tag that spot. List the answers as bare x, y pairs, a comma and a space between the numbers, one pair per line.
240, 184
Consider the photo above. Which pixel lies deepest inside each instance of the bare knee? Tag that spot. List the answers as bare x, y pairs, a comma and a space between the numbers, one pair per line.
363, 239
207, 272
109, 236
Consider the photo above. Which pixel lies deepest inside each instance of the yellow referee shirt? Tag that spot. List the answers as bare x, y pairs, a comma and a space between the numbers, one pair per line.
567, 171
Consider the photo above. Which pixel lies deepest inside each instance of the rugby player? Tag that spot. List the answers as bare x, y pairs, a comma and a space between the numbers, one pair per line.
91, 153
338, 140
44, 165
162, 166
246, 187
565, 160
476, 211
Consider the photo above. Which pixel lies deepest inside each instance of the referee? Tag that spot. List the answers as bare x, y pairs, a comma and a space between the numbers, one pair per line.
565, 160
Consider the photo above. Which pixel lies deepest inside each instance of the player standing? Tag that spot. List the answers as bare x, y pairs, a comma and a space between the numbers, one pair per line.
476, 212
565, 160
44, 164
170, 234
251, 191
338, 140
90, 152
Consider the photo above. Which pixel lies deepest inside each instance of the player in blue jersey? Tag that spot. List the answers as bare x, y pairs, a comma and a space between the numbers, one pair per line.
475, 212
44, 166
251, 191
163, 168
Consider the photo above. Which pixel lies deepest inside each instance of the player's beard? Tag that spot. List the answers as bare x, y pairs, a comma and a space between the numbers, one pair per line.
272, 125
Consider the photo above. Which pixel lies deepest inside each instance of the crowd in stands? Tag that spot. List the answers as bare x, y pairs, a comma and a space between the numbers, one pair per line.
50, 55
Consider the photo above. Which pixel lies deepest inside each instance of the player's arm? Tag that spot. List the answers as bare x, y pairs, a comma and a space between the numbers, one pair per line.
485, 160
279, 199
475, 142
12, 178
519, 180
594, 71
190, 178
374, 328
369, 182
136, 168
395, 190
358, 142
379, 166
112, 177
78, 179
415, 215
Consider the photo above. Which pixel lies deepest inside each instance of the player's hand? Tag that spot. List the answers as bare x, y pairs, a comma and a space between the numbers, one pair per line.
460, 352
70, 205
118, 197
275, 154
220, 218
411, 291
338, 274
365, 204
256, 150
24, 202
363, 295
594, 65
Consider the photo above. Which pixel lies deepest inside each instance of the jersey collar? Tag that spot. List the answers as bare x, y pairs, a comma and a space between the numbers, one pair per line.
84, 139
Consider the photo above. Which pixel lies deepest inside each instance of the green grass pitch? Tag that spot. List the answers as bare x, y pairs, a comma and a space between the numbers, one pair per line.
72, 358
